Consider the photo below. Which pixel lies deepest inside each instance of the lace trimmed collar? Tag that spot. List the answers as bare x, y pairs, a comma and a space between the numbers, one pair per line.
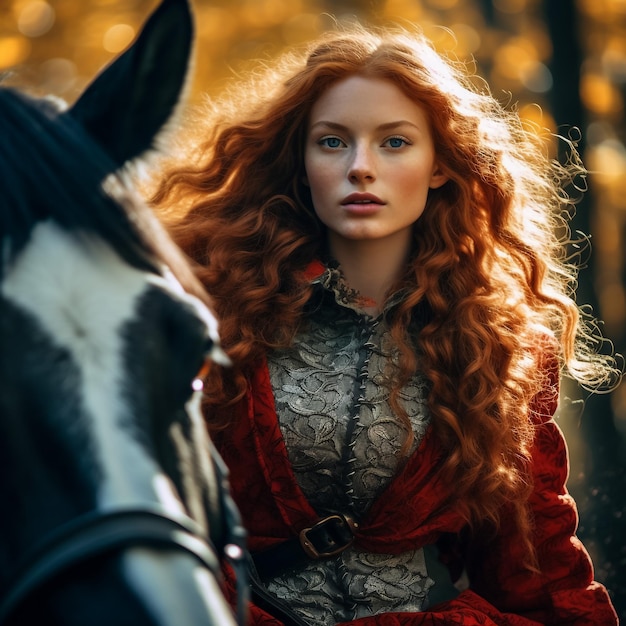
330, 277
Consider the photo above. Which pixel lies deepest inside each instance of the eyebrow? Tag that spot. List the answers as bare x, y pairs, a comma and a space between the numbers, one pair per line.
385, 126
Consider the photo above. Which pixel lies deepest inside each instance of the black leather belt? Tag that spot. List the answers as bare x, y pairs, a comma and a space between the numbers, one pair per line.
326, 538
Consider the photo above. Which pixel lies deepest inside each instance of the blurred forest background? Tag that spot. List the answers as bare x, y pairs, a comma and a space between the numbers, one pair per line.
561, 63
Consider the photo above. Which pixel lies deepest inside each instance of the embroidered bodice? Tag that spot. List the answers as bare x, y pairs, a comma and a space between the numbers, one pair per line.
415, 508
343, 442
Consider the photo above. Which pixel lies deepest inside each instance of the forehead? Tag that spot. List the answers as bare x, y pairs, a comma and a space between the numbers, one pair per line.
366, 100
79, 290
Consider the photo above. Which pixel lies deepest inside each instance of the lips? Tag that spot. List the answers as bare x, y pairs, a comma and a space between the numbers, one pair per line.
360, 199
362, 204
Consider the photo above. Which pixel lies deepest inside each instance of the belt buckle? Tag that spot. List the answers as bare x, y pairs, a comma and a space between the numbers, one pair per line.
343, 521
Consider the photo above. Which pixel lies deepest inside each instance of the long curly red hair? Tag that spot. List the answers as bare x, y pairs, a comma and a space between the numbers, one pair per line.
487, 264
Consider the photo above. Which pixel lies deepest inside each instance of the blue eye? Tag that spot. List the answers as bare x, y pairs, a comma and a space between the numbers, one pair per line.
396, 142
331, 142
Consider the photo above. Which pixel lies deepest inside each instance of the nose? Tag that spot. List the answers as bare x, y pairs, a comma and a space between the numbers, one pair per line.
362, 166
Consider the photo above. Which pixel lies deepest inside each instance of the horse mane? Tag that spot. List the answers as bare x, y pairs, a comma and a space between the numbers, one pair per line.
51, 169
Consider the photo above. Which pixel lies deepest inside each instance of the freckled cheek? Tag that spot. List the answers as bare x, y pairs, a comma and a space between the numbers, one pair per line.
412, 180
321, 177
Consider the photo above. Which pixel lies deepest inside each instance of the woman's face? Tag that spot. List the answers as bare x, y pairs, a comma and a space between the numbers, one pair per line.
370, 161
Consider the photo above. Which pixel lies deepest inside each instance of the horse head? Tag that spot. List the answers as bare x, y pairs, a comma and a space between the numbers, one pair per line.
114, 506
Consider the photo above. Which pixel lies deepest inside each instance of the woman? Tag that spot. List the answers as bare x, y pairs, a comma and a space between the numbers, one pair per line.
378, 237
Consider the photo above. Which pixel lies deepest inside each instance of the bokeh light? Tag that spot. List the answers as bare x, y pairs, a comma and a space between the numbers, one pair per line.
14, 50
118, 37
35, 17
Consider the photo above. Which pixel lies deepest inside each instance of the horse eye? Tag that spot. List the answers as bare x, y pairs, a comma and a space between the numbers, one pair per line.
209, 345
212, 353
215, 353
198, 381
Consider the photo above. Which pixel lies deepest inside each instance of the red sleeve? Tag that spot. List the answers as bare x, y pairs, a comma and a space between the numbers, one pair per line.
564, 591
503, 592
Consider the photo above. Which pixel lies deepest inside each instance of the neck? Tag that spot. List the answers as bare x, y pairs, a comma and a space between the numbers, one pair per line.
371, 267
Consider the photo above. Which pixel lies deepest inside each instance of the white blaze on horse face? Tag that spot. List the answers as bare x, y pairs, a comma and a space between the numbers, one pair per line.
81, 298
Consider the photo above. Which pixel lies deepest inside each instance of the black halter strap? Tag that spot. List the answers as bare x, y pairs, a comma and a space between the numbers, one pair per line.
96, 533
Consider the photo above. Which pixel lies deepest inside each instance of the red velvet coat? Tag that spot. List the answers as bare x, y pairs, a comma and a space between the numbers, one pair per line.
413, 512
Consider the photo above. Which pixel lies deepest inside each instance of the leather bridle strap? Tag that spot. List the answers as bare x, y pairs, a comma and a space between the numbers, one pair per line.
97, 533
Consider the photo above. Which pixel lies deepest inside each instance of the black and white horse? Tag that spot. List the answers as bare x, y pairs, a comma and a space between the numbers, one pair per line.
113, 508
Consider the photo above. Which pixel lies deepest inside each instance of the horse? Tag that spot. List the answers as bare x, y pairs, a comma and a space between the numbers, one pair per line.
115, 507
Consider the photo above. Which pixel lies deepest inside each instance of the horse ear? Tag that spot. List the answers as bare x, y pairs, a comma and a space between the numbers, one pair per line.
130, 101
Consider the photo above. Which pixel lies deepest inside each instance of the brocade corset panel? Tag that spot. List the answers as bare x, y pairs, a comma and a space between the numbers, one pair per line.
343, 441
